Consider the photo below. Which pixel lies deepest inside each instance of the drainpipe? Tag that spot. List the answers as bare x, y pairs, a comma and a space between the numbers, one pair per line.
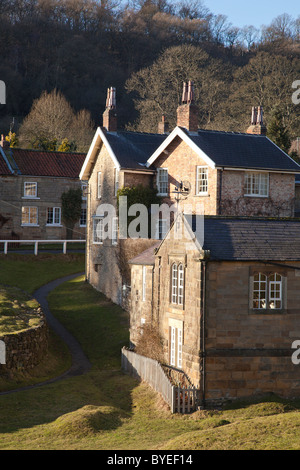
158, 289
220, 191
152, 296
203, 325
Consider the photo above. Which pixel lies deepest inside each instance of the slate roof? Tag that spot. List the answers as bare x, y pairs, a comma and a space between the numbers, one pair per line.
250, 239
133, 148
42, 163
147, 257
249, 151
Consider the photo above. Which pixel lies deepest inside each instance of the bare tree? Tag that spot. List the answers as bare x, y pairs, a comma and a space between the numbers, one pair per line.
51, 120
250, 36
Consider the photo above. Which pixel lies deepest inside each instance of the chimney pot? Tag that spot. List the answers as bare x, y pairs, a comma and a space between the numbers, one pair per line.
163, 125
110, 115
187, 112
4, 143
257, 126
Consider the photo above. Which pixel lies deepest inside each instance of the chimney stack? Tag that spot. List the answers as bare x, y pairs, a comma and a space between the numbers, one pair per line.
163, 126
187, 112
257, 122
110, 114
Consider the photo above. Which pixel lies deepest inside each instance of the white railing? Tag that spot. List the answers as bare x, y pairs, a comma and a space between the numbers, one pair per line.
37, 242
180, 399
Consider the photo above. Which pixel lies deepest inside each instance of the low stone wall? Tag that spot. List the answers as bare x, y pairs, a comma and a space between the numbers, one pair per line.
25, 349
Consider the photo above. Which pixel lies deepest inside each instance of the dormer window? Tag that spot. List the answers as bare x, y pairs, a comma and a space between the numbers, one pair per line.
256, 184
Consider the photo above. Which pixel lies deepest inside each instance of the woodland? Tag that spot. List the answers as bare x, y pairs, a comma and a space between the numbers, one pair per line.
76, 49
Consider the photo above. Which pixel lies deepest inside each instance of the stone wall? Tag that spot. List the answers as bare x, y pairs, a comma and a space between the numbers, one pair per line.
25, 349
249, 352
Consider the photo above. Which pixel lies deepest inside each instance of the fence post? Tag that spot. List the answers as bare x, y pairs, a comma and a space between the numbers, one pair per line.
5, 248
173, 400
64, 247
36, 247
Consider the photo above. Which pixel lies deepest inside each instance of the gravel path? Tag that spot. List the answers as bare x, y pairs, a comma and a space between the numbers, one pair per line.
80, 363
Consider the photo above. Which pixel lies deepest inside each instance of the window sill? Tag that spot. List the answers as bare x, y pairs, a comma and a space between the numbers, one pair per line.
29, 198
256, 195
54, 225
177, 306
267, 311
202, 195
82, 226
29, 225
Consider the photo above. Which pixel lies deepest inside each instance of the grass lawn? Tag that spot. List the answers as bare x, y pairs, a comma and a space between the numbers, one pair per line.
108, 410
29, 272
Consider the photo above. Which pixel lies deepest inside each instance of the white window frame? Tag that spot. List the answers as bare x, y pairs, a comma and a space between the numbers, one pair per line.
179, 348
99, 187
98, 230
201, 182
180, 290
54, 210
259, 180
162, 181
173, 346
177, 284
114, 231
273, 285
116, 176
176, 342
261, 291
83, 218
30, 209
144, 283
174, 278
30, 196
267, 287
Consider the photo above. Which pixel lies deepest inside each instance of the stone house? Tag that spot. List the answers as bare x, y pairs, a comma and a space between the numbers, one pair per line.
225, 302
226, 173
31, 185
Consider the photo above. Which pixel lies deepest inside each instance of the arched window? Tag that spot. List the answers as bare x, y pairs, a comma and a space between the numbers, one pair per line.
174, 283
177, 292
180, 284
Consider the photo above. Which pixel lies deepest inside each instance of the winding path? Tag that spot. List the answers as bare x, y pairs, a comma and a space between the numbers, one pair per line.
80, 363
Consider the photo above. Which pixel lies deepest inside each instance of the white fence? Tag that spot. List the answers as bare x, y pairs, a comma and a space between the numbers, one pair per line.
36, 243
180, 399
